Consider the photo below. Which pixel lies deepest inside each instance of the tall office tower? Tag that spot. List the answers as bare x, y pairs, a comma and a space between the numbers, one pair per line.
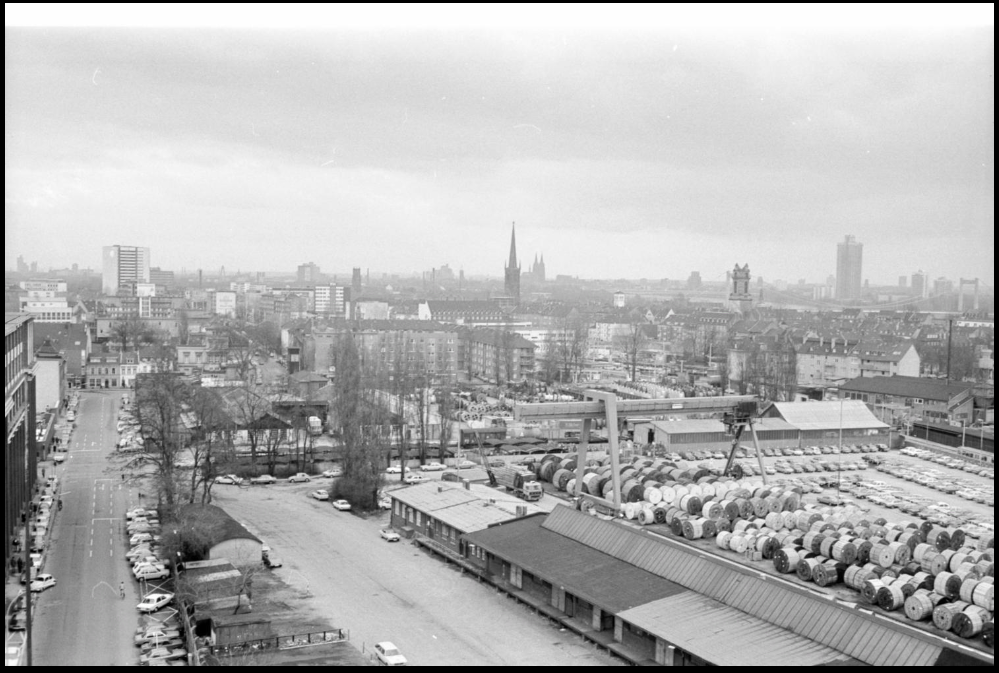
124, 264
850, 270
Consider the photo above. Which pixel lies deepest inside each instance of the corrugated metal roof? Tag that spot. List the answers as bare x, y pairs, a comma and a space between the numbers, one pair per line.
725, 636
814, 617
593, 576
810, 416
470, 517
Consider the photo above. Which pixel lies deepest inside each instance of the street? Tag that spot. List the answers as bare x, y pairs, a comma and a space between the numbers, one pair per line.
381, 591
83, 621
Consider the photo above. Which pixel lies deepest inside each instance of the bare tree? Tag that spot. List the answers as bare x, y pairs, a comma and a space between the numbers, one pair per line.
632, 345
210, 446
133, 333
160, 402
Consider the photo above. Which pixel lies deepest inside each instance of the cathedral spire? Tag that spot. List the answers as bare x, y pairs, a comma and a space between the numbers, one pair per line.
512, 264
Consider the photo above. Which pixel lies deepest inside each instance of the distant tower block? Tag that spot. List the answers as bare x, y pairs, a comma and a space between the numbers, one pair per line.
741, 295
960, 294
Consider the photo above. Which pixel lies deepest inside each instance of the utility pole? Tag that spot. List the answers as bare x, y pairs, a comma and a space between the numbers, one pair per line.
950, 346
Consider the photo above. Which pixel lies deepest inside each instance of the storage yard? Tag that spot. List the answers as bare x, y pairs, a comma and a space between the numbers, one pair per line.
901, 547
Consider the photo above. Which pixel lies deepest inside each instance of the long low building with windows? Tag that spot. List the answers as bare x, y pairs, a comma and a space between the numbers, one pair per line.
656, 601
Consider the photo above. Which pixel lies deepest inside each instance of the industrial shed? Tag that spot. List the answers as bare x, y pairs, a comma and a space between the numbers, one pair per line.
710, 435
672, 604
821, 422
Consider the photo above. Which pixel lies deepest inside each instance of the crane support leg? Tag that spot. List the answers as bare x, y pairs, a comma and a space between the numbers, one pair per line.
735, 447
759, 454
584, 448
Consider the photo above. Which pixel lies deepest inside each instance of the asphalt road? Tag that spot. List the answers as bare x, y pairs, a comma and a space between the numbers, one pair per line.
82, 621
379, 591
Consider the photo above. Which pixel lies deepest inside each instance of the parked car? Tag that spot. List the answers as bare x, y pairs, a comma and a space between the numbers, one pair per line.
467, 465
162, 655
300, 478
151, 574
322, 496
335, 473
341, 505
263, 480
389, 535
385, 504
389, 655
396, 470
228, 480
272, 561
155, 634
42, 582
415, 479
433, 467
18, 621
154, 602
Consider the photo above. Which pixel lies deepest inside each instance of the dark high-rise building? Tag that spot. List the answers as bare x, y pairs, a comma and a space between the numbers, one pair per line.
511, 284
20, 459
308, 274
850, 270
355, 284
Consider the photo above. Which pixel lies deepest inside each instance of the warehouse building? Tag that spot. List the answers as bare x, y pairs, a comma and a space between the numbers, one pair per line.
823, 423
656, 601
711, 435
898, 397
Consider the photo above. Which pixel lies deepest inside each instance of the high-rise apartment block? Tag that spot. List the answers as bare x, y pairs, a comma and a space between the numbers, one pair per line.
122, 265
850, 270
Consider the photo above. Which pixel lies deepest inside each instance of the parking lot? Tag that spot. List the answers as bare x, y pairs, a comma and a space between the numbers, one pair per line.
347, 576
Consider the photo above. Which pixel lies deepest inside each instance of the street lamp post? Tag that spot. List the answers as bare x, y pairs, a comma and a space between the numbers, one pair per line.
839, 465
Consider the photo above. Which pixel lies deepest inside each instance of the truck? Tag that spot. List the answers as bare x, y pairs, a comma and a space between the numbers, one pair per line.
519, 481
315, 426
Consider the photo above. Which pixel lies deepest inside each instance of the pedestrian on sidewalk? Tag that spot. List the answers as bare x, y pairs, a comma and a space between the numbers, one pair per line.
121, 590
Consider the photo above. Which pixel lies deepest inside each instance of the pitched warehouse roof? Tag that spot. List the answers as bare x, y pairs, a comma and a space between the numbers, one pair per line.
748, 641
908, 386
828, 416
870, 639
597, 578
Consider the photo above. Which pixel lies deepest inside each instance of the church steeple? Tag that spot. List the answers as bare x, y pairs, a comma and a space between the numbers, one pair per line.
511, 285
512, 264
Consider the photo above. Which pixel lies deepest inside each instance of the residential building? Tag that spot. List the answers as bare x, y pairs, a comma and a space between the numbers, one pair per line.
73, 342
20, 458
420, 346
907, 398
164, 280
50, 378
462, 312
223, 303
828, 363
47, 301
620, 300
849, 270
372, 310
104, 371
124, 264
308, 274
497, 356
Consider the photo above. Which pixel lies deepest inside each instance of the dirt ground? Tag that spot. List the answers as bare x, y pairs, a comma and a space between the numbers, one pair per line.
339, 572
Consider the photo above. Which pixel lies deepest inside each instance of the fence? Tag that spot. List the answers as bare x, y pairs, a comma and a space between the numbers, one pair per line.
281, 643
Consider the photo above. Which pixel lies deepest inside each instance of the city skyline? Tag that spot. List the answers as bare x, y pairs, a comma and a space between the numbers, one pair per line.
640, 155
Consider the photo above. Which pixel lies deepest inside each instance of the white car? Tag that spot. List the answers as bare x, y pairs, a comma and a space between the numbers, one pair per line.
322, 496
389, 655
433, 467
59, 458
154, 602
146, 567
341, 505
228, 480
155, 634
41, 583
300, 478
139, 538
137, 514
151, 574
467, 465
389, 535
332, 474
396, 470
415, 479
263, 480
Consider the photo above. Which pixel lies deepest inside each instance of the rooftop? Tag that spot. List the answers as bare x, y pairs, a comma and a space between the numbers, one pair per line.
908, 386
828, 416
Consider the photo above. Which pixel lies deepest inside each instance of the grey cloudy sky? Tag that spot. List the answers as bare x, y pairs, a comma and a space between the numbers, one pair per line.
619, 154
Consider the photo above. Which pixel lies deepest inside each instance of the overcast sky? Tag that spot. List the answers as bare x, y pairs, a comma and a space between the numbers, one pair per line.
626, 154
